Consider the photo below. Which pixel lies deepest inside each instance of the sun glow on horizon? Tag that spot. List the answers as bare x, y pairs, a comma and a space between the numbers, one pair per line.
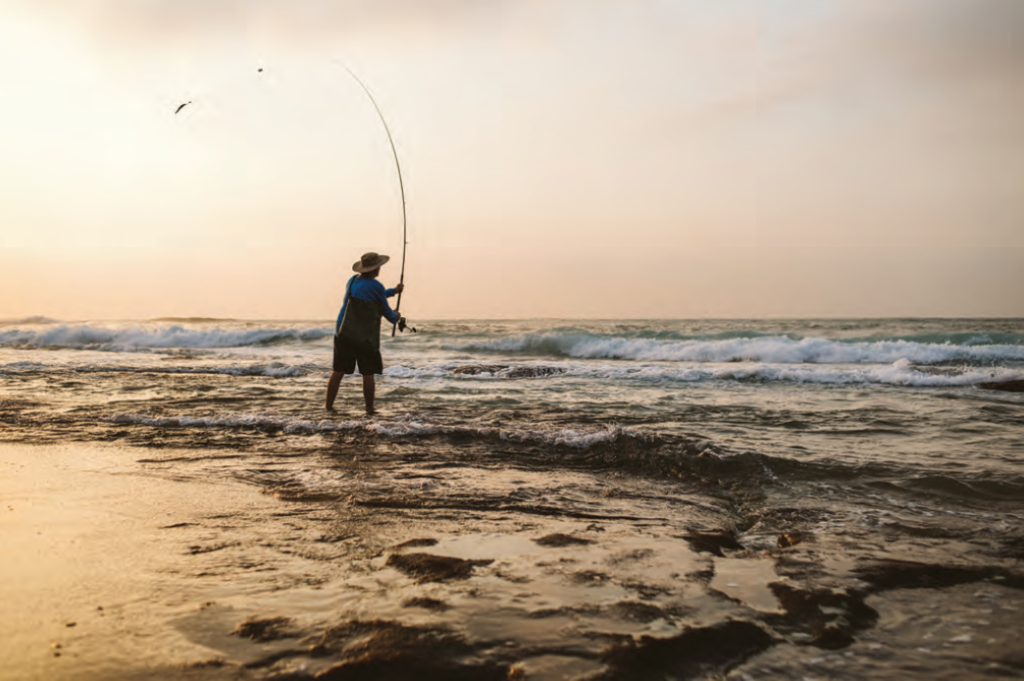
567, 159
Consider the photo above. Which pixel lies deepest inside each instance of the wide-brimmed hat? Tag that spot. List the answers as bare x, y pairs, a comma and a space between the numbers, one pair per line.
369, 262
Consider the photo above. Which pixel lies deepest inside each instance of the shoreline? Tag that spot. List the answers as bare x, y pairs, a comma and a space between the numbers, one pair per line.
137, 570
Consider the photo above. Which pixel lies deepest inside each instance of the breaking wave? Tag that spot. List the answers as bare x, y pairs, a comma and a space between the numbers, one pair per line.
87, 336
779, 349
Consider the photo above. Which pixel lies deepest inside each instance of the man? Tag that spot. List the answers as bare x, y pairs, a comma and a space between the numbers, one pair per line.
357, 332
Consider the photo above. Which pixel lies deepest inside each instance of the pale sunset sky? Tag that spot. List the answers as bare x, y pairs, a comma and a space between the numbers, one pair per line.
561, 158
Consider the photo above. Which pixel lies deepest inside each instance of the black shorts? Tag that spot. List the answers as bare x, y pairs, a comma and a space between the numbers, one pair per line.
347, 355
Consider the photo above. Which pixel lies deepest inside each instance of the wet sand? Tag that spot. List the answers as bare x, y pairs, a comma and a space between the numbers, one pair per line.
93, 574
117, 567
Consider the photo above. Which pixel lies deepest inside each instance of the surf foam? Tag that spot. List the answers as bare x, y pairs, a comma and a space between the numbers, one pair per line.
270, 370
401, 427
901, 372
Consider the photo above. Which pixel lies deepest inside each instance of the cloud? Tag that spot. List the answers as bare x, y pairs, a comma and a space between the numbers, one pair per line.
914, 43
173, 21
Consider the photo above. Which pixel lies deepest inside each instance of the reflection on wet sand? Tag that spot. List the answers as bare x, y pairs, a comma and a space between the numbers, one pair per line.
120, 564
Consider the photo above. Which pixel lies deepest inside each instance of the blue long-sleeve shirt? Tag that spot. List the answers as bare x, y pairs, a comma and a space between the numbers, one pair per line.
370, 290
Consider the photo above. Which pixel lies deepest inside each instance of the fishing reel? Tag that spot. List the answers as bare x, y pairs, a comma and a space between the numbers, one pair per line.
403, 325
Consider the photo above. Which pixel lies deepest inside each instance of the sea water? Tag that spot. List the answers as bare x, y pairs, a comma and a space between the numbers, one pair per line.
872, 440
897, 393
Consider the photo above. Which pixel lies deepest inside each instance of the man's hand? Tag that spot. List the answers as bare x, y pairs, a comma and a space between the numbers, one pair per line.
399, 288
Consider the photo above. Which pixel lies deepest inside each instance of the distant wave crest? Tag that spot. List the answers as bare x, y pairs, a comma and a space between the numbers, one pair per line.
36, 319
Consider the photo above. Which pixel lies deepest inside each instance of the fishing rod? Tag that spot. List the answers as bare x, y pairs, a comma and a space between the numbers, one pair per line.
401, 187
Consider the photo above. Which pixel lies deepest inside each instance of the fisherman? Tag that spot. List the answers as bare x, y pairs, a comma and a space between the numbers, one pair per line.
357, 332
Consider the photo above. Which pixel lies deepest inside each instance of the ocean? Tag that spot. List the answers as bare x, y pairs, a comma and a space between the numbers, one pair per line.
566, 499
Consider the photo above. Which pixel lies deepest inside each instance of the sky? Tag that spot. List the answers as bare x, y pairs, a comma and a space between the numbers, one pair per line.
560, 158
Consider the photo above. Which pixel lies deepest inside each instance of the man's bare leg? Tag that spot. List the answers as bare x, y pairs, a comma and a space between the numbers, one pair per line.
369, 387
332, 388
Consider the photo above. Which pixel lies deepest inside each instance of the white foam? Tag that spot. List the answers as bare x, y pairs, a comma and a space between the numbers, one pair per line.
400, 427
562, 437
900, 372
773, 349
136, 337
271, 369
236, 421
429, 371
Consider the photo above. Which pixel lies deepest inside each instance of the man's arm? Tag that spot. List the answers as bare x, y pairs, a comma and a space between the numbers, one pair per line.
389, 314
379, 296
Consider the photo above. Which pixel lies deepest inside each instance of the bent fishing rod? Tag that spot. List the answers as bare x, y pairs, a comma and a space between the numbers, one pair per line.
401, 187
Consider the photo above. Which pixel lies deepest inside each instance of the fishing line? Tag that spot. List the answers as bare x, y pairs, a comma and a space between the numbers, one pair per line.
401, 188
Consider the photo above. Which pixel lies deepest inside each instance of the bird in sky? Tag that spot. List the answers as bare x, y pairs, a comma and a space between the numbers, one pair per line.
182, 106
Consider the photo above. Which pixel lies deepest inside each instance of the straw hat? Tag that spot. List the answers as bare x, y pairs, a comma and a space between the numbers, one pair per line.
369, 262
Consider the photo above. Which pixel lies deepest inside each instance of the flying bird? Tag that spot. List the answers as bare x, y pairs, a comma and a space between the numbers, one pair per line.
182, 106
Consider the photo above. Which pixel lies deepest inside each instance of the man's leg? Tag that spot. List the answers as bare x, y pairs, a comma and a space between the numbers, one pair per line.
332, 388
369, 387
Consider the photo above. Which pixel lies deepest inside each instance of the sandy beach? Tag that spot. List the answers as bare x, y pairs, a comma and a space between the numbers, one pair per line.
116, 567
94, 573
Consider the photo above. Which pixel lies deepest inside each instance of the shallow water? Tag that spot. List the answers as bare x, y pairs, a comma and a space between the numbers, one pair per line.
858, 457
